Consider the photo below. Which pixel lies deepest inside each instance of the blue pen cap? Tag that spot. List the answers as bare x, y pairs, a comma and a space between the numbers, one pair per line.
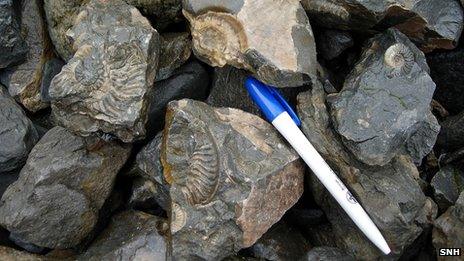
269, 100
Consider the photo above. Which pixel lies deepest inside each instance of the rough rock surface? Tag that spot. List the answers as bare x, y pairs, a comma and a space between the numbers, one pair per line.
326, 253
281, 242
389, 193
162, 12
131, 235
231, 176
17, 133
452, 132
448, 229
51, 69
65, 181
104, 87
175, 51
12, 45
23, 81
11, 254
430, 23
144, 194
384, 106
331, 43
234, 36
447, 184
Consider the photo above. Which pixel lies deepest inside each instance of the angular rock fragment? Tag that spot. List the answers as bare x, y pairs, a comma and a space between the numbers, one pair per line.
447, 184
23, 81
452, 133
11, 254
131, 235
51, 69
12, 45
327, 253
144, 194
104, 87
448, 229
17, 133
332, 43
430, 23
231, 178
384, 106
56, 200
175, 51
389, 194
278, 47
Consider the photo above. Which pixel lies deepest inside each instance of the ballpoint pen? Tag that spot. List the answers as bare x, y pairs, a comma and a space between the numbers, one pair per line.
285, 120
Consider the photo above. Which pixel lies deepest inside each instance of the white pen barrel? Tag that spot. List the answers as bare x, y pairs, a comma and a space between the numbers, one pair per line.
285, 125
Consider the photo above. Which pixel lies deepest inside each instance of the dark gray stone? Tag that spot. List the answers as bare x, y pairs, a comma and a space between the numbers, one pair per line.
390, 194
447, 184
12, 45
384, 106
131, 235
145, 195
327, 253
429, 23
281, 242
448, 229
452, 132
17, 133
175, 51
331, 43
51, 69
6, 179
56, 200
231, 178
31, 248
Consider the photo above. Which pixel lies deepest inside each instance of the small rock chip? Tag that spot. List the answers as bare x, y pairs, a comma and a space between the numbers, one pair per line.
23, 81
131, 235
104, 87
447, 184
384, 106
326, 253
234, 36
332, 43
65, 181
12, 45
175, 51
17, 133
448, 229
231, 178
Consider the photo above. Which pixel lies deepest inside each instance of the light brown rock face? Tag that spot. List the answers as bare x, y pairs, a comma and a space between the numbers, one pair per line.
23, 81
104, 87
231, 178
10, 254
273, 39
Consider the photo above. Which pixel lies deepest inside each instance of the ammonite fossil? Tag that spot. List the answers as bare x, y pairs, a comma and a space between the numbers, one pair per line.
178, 218
400, 58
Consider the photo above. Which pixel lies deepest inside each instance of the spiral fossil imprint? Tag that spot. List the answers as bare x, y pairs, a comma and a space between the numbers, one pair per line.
178, 218
400, 58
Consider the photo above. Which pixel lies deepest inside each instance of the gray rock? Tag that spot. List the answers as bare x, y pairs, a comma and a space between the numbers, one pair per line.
452, 133
389, 194
430, 23
17, 133
11, 254
281, 242
163, 12
326, 253
56, 200
231, 178
331, 43
51, 69
447, 184
6, 179
31, 248
189, 81
448, 229
131, 235
144, 194
233, 36
23, 81
175, 51
104, 87
384, 106
14, 48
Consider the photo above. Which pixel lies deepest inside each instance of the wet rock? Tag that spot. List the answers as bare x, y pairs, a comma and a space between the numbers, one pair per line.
11, 254
104, 87
17, 133
389, 193
228, 90
66, 180
331, 43
175, 51
281, 242
327, 253
51, 69
189, 81
14, 48
231, 178
452, 131
448, 229
23, 81
384, 106
430, 23
233, 36
131, 235
447, 184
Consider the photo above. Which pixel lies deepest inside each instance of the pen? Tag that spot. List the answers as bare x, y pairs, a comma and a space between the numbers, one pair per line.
285, 120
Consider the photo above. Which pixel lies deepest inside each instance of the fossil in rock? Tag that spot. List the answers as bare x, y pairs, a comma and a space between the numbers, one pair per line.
327, 7
178, 218
400, 58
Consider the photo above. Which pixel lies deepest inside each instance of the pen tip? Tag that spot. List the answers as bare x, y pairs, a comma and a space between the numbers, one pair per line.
385, 249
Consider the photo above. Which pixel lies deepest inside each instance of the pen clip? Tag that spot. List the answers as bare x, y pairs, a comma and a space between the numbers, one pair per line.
270, 100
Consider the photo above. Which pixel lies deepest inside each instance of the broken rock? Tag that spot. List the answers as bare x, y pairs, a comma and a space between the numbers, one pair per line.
447, 184
12, 45
175, 51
